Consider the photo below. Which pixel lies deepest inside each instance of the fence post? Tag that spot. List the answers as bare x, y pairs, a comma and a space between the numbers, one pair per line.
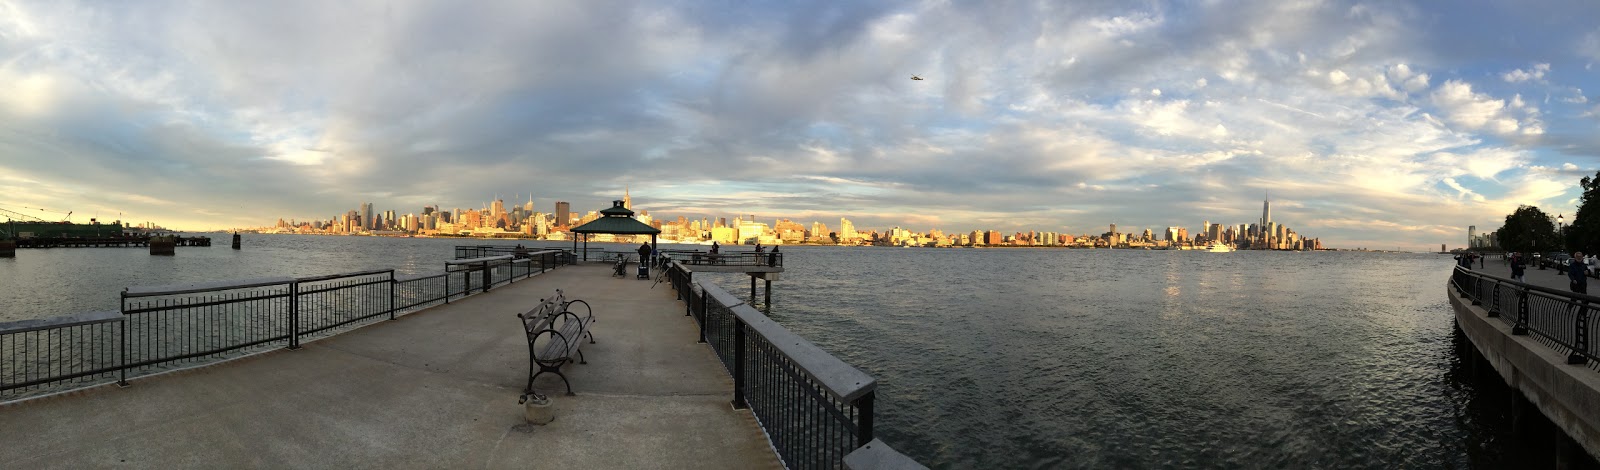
447, 283
704, 302
484, 266
1580, 350
1494, 308
1521, 328
294, 315
122, 381
1477, 290
738, 364
864, 424
391, 294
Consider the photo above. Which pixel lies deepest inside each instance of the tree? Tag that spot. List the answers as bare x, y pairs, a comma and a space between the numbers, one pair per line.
1528, 230
1584, 233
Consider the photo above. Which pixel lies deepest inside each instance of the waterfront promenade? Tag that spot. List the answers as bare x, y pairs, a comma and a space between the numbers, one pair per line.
432, 389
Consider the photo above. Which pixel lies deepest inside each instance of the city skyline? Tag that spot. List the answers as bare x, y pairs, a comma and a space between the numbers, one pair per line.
525, 220
1377, 125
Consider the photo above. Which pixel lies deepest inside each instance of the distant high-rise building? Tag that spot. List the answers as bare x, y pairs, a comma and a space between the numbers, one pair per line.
627, 200
1266, 210
366, 215
563, 213
1472, 236
1113, 228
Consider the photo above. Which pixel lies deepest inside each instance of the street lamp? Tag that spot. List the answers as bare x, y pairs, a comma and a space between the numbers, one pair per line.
1561, 238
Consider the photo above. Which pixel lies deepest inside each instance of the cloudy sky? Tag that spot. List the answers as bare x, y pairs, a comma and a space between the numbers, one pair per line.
1383, 124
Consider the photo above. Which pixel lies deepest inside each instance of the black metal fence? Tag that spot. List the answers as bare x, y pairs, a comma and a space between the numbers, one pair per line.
1556, 318
815, 408
738, 258
162, 328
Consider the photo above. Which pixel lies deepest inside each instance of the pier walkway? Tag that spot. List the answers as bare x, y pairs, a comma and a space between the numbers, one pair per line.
433, 389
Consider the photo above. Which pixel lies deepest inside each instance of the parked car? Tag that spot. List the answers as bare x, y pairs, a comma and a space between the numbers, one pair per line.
1555, 259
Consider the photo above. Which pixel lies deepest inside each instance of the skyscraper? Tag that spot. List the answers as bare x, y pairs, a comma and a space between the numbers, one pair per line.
366, 215
1472, 236
1266, 210
627, 200
563, 213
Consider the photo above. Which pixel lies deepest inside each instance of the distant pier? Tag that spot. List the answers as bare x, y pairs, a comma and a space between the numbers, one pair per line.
105, 242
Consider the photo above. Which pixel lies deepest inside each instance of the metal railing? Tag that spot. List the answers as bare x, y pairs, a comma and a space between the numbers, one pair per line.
161, 328
1558, 319
815, 408
738, 258
564, 256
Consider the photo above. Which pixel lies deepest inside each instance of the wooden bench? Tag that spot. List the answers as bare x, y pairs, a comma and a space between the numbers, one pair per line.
555, 330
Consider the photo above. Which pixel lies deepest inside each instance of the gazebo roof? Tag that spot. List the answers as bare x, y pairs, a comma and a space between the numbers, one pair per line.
617, 220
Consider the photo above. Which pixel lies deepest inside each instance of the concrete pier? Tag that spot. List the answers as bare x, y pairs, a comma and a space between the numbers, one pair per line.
1567, 394
432, 389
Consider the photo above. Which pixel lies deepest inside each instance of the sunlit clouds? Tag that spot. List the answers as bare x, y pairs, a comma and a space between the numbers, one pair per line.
1382, 125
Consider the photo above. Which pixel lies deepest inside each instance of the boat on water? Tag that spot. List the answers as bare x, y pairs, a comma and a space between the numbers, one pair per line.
1218, 247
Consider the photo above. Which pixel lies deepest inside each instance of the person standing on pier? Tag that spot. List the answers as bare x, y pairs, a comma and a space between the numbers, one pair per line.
644, 254
1518, 267
1575, 272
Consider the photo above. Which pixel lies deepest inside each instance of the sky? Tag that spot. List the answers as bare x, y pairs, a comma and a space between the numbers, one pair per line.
1383, 125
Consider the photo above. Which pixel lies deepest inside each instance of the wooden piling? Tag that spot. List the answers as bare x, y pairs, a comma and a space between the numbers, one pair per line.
163, 246
235, 240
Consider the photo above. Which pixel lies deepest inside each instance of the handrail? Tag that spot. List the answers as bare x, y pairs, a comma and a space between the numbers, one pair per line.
1564, 327
816, 409
877, 455
342, 275
415, 277
843, 380
477, 260
204, 286
1533, 287
64, 321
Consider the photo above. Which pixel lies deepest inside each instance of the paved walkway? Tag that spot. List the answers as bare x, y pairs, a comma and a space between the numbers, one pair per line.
434, 389
1549, 277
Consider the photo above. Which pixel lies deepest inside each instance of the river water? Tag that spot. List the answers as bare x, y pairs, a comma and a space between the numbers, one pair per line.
1036, 358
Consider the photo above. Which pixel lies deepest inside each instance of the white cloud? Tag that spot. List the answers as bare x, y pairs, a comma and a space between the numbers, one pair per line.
1535, 73
1476, 111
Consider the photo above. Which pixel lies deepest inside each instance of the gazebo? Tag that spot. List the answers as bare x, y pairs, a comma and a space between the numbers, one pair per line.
617, 220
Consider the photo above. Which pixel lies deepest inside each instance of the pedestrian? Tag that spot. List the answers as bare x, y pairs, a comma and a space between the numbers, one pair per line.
1480, 261
772, 259
1518, 267
1580, 282
644, 253
1464, 260
758, 248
